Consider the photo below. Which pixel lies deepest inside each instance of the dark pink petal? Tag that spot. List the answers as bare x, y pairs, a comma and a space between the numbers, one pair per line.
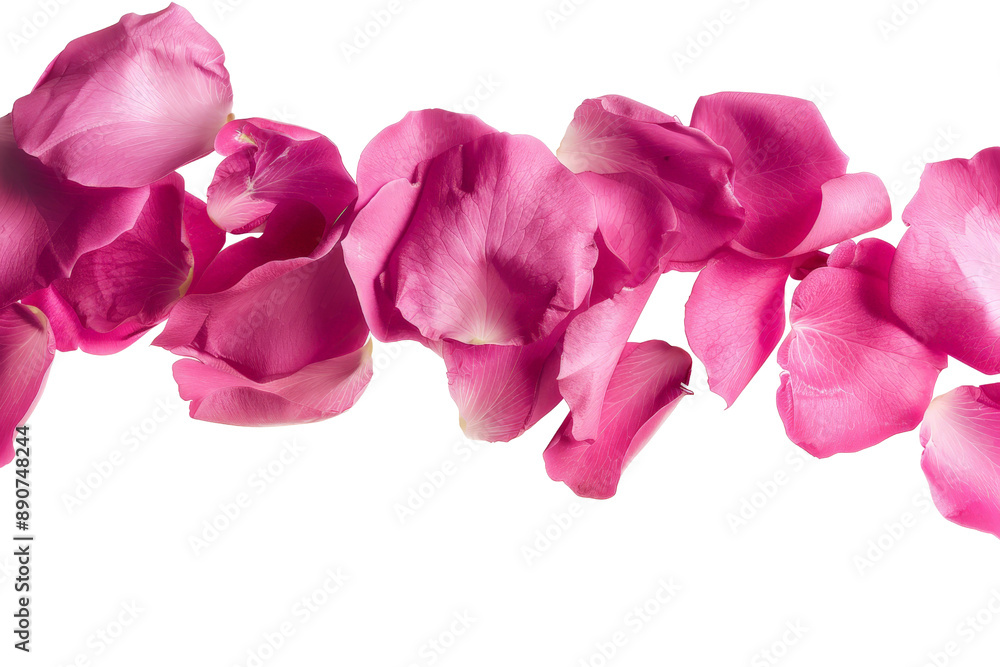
273, 166
854, 375
48, 223
26, 352
961, 439
118, 292
318, 391
203, 238
614, 135
945, 280
786, 164
736, 317
397, 151
647, 384
127, 105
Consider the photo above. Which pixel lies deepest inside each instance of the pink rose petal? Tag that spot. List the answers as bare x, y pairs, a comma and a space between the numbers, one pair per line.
26, 352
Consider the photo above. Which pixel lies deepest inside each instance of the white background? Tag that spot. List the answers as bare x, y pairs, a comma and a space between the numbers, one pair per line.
888, 97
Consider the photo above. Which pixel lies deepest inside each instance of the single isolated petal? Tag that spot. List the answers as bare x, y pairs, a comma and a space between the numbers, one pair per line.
613, 135
854, 375
266, 165
961, 439
945, 280
127, 105
647, 384
26, 352
789, 174
736, 317
48, 222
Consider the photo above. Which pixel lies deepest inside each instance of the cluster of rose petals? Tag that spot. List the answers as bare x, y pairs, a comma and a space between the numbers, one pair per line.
525, 270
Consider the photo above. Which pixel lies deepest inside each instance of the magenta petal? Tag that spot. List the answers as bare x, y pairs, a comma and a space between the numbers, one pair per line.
127, 105
945, 279
48, 223
648, 381
854, 375
961, 439
272, 166
318, 391
735, 318
397, 150
853, 204
613, 134
26, 352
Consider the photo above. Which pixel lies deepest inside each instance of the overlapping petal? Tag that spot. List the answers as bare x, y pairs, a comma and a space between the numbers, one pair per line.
853, 373
127, 105
945, 279
26, 352
961, 439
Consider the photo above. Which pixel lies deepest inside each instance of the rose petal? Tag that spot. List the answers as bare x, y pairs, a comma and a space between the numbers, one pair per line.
127, 105
26, 352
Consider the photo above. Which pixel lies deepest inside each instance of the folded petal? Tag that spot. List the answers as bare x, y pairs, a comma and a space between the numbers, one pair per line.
318, 391
613, 134
784, 156
961, 459
49, 222
736, 317
26, 352
647, 384
854, 375
270, 165
127, 105
945, 280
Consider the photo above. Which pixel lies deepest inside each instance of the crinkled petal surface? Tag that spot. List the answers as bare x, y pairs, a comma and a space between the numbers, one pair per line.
26, 352
736, 317
273, 166
961, 459
318, 391
945, 279
786, 163
853, 374
647, 384
127, 105
614, 134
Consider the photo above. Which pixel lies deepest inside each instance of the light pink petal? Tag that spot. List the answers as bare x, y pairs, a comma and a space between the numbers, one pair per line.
397, 151
231, 138
127, 105
647, 384
736, 317
614, 135
961, 439
945, 280
26, 352
271, 167
318, 391
784, 156
48, 223
500, 247
854, 375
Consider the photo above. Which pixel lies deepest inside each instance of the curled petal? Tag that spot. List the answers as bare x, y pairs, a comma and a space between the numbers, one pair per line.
961, 459
127, 105
852, 204
647, 384
736, 317
270, 166
854, 375
318, 391
945, 279
26, 352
